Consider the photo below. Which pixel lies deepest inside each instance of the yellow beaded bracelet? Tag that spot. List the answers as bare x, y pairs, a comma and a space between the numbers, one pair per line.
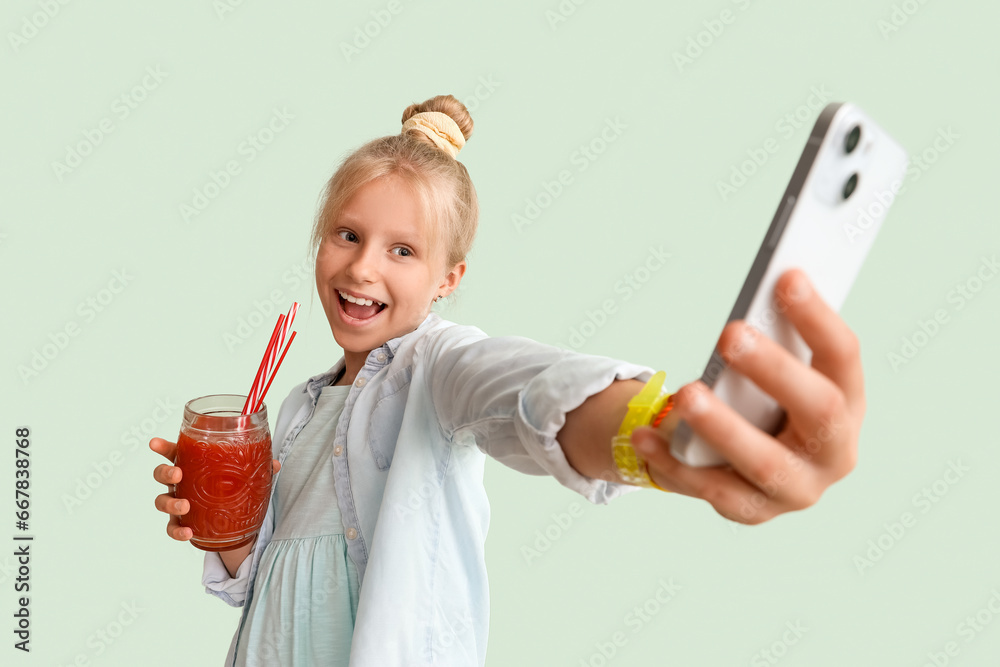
650, 405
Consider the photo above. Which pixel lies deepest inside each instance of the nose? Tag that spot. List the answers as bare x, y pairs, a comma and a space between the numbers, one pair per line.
362, 267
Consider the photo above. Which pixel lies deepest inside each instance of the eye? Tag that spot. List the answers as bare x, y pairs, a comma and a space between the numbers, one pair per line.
407, 251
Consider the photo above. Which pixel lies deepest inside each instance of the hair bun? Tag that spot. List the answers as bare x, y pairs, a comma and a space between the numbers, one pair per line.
442, 121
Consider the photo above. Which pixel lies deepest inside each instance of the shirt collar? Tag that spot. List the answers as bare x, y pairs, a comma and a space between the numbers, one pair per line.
317, 382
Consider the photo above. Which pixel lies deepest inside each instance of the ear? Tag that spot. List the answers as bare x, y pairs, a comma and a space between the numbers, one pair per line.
452, 279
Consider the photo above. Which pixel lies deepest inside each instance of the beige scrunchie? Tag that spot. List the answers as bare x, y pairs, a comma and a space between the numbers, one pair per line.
440, 127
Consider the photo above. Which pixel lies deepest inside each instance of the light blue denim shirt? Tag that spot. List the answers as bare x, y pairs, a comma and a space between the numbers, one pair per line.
409, 454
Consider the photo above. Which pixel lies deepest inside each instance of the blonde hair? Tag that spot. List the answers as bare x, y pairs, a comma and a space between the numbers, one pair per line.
440, 182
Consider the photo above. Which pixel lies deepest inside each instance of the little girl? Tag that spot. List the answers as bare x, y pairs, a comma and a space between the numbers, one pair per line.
372, 550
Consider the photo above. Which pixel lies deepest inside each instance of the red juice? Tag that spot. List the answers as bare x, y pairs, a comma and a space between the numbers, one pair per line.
225, 463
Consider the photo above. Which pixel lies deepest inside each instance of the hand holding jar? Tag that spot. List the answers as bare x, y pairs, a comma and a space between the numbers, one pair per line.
220, 482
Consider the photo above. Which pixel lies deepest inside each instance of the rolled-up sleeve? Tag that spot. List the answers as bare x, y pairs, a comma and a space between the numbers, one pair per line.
215, 576
510, 395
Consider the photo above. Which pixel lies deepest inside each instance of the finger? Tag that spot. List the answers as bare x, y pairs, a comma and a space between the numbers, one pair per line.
168, 504
722, 487
835, 348
167, 474
810, 398
177, 531
757, 457
275, 465
175, 507
165, 447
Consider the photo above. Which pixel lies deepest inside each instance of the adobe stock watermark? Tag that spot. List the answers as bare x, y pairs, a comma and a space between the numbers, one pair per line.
455, 628
747, 341
8, 568
485, 87
545, 538
370, 30
923, 500
100, 471
899, 16
581, 158
121, 108
967, 629
34, 23
829, 429
223, 8
275, 302
713, 28
918, 165
786, 126
248, 149
562, 12
109, 633
779, 648
640, 616
627, 286
280, 629
429, 491
795, 460
927, 329
88, 310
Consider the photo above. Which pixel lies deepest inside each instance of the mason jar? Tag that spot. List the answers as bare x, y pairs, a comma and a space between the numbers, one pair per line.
225, 462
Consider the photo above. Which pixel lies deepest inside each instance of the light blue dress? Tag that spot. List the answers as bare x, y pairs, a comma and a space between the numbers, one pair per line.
306, 592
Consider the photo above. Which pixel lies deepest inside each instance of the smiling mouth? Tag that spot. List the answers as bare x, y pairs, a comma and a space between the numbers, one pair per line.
343, 306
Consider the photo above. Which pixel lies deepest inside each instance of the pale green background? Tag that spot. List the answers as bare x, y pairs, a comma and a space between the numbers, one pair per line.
553, 89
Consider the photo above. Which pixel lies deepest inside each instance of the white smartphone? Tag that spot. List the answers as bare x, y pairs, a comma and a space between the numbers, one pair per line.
847, 177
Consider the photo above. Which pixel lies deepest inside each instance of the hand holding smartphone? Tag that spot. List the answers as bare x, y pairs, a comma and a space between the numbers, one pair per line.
846, 178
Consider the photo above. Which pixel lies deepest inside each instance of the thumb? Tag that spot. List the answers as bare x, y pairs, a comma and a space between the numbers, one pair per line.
647, 434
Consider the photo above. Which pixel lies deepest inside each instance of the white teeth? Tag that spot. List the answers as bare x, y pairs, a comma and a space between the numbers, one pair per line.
363, 302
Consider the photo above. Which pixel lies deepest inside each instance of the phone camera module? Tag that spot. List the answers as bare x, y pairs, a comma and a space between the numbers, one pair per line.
850, 185
852, 139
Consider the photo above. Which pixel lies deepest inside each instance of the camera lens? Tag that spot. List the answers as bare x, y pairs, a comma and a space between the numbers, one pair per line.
852, 139
849, 186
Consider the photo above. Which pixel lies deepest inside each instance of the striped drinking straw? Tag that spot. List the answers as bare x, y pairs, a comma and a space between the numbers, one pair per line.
272, 360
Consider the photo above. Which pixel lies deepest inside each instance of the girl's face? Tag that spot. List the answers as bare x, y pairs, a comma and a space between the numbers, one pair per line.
378, 250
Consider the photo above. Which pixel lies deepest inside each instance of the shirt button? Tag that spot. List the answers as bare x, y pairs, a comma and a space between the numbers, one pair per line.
337, 450
381, 356
360, 382
351, 533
